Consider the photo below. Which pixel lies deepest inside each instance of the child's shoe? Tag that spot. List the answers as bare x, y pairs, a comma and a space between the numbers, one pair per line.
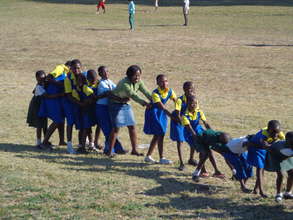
288, 195
195, 177
181, 167
279, 197
70, 149
165, 161
149, 159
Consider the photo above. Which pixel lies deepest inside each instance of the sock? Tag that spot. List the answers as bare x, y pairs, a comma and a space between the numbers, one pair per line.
38, 141
280, 194
234, 172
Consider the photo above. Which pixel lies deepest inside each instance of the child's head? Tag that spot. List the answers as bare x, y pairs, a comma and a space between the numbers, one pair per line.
92, 76
289, 139
191, 103
133, 73
81, 80
274, 128
224, 138
162, 81
103, 72
40, 76
75, 67
188, 88
68, 63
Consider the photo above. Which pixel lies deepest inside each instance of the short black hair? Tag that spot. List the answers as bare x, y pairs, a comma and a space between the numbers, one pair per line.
74, 62
68, 63
187, 84
191, 98
160, 76
40, 72
83, 78
131, 71
274, 124
289, 135
101, 69
91, 74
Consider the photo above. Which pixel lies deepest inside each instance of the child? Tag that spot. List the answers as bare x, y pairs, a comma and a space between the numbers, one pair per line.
185, 11
176, 128
257, 151
33, 120
131, 12
156, 118
192, 129
71, 101
121, 113
280, 159
102, 110
101, 4
235, 154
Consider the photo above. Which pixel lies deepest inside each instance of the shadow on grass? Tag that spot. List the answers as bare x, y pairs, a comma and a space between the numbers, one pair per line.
106, 29
269, 45
179, 2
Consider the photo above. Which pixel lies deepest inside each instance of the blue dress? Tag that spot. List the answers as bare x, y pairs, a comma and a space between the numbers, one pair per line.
257, 156
156, 120
52, 107
196, 126
176, 129
71, 110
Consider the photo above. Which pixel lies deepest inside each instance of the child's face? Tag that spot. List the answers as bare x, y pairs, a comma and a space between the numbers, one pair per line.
163, 83
41, 78
136, 77
224, 138
273, 132
192, 105
105, 74
189, 90
76, 69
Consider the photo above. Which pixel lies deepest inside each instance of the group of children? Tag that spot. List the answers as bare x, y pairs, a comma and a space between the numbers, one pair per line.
87, 102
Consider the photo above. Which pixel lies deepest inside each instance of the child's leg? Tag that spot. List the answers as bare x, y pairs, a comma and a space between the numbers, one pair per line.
133, 140
39, 136
279, 182
161, 145
180, 153
259, 176
112, 139
191, 160
203, 156
214, 164
104, 9
289, 181
49, 132
61, 134
153, 144
97, 137
90, 135
69, 133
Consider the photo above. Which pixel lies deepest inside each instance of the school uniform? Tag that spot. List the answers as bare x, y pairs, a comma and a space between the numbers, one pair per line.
33, 119
236, 155
103, 116
156, 120
71, 110
86, 117
52, 107
193, 119
121, 114
257, 156
279, 157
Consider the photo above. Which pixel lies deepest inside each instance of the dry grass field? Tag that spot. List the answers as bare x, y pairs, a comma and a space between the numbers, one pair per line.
238, 53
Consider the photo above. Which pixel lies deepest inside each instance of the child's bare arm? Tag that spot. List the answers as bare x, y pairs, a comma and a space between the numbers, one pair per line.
162, 106
207, 125
176, 117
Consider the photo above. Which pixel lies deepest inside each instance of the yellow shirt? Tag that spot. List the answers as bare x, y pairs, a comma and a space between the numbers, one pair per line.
59, 70
178, 103
192, 116
68, 88
164, 93
87, 90
279, 137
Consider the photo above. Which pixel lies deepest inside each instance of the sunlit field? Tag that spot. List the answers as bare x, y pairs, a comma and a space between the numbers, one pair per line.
239, 54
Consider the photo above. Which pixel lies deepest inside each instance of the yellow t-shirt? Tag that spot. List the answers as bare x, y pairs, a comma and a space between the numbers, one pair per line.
280, 136
164, 93
87, 90
192, 116
68, 88
178, 103
59, 70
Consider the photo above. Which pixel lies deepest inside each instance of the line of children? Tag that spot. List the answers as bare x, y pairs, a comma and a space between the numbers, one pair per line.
88, 102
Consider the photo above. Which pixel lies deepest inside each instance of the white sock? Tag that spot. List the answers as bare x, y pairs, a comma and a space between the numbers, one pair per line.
38, 141
280, 194
196, 172
234, 172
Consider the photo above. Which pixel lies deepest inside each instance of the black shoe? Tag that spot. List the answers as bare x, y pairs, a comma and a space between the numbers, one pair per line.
81, 150
121, 151
192, 162
181, 167
288, 196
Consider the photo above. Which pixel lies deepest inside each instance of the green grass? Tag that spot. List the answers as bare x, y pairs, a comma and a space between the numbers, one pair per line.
239, 55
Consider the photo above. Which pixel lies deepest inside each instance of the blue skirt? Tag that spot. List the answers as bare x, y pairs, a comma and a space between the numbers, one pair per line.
256, 157
52, 108
121, 115
155, 121
176, 131
104, 121
243, 169
71, 112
